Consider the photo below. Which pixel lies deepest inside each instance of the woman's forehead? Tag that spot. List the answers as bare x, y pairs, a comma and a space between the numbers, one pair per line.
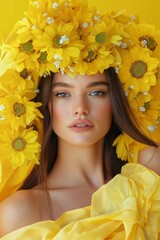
59, 77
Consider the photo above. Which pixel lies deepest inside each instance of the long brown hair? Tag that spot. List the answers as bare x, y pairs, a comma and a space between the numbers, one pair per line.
122, 121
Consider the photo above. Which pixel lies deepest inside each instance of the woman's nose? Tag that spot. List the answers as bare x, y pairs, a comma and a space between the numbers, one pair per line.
80, 106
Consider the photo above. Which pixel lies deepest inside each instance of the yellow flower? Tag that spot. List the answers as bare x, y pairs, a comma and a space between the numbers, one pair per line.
95, 60
23, 83
19, 111
148, 113
146, 36
126, 148
45, 12
121, 17
86, 20
137, 101
23, 56
138, 70
21, 146
105, 33
58, 46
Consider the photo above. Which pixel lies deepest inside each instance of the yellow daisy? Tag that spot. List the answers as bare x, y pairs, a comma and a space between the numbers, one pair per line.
95, 60
126, 148
11, 83
23, 83
137, 101
138, 70
105, 33
58, 46
19, 111
23, 55
31, 79
146, 36
21, 146
148, 113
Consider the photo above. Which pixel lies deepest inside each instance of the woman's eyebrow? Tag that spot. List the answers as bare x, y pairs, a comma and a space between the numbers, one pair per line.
62, 84
91, 84
94, 84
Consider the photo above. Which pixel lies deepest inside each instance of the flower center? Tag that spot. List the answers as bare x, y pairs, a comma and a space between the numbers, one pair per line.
138, 69
147, 106
91, 56
19, 144
43, 57
149, 42
101, 37
24, 74
26, 47
19, 109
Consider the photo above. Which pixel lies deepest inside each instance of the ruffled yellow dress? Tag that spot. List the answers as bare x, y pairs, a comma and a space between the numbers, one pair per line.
128, 207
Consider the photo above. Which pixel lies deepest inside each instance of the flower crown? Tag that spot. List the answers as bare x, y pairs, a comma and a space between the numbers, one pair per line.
70, 37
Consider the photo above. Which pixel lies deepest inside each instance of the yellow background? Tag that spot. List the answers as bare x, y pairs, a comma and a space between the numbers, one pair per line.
149, 11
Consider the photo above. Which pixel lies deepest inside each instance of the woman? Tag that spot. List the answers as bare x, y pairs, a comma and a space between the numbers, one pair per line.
82, 119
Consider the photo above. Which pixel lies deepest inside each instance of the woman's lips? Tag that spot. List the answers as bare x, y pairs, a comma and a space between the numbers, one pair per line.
81, 125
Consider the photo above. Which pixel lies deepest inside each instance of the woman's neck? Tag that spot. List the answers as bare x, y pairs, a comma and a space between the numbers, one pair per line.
77, 166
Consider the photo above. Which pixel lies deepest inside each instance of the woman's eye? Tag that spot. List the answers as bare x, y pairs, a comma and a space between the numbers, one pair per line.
97, 93
62, 95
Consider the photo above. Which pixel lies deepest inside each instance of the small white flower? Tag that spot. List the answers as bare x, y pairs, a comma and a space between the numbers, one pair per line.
71, 69
55, 5
36, 3
57, 64
49, 20
96, 18
45, 14
85, 25
63, 39
36, 90
144, 43
2, 117
29, 77
57, 57
142, 109
116, 69
132, 87
2, 107
152, 128
124, 45
44, 75
62, 71
33, 27
119, 43
145, 93
126, 94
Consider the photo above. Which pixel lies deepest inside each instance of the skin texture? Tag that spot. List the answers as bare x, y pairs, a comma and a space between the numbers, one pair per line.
78, 171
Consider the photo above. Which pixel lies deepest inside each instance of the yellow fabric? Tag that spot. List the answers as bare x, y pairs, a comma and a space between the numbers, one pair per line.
148, 11
128, 207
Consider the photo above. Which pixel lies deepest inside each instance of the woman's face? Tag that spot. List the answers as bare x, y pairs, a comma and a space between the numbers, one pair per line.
81, 108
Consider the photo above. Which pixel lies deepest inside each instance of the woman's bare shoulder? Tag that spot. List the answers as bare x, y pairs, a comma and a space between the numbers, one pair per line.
150, 157
16, 211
